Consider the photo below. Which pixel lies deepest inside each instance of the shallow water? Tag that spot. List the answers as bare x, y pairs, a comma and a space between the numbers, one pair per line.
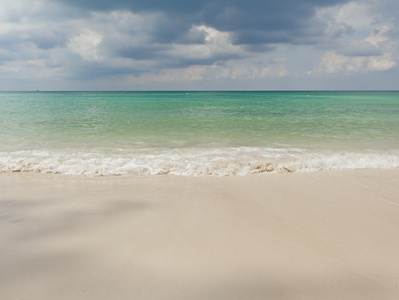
197, 133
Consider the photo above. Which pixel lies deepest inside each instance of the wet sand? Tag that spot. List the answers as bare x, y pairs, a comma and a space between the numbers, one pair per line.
324, 235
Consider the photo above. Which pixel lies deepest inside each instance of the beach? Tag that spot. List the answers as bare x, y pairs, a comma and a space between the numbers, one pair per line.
199, 150
319, 235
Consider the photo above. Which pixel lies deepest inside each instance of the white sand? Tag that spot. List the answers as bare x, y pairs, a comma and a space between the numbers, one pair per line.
326, 235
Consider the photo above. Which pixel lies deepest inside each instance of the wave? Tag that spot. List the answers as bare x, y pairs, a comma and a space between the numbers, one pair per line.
193, 162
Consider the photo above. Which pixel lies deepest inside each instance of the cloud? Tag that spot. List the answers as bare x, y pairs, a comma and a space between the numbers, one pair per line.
210, 40
86, 45
356, 14
333, 63
230, 70
359, 48
378, 36
214, 46
381, 63
357, 53
249, 22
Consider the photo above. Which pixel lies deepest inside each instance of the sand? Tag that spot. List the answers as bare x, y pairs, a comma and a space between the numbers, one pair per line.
323, 235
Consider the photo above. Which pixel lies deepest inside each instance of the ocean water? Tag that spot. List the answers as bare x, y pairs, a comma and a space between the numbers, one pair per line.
197, 133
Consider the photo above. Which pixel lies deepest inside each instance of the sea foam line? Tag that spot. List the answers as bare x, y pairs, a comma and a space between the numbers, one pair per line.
199, 162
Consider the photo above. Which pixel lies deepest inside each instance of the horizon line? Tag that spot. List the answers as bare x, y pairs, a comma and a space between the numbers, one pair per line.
195, 90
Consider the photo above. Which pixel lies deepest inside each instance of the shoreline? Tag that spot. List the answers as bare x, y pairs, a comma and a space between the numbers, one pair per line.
320, 235
230, 161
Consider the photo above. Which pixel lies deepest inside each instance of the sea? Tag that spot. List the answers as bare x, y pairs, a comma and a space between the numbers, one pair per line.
196, 133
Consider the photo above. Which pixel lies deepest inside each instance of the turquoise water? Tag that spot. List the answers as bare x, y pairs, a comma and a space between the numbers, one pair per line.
197, 133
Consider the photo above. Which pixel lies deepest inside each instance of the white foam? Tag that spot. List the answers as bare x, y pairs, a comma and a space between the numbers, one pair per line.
193, 162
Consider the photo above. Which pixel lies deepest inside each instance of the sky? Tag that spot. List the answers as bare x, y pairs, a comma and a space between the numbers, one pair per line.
199, 45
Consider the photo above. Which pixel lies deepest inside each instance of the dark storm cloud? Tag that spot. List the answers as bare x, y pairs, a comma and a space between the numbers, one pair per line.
250, 22
46, 40
87, 39
45, 36
254, 25
194, 7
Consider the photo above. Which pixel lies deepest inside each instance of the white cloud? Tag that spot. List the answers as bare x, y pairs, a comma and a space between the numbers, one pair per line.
381, 63
216, 43
378, 35
86, 45
327, 17
214, 36
356, 14
332, 62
